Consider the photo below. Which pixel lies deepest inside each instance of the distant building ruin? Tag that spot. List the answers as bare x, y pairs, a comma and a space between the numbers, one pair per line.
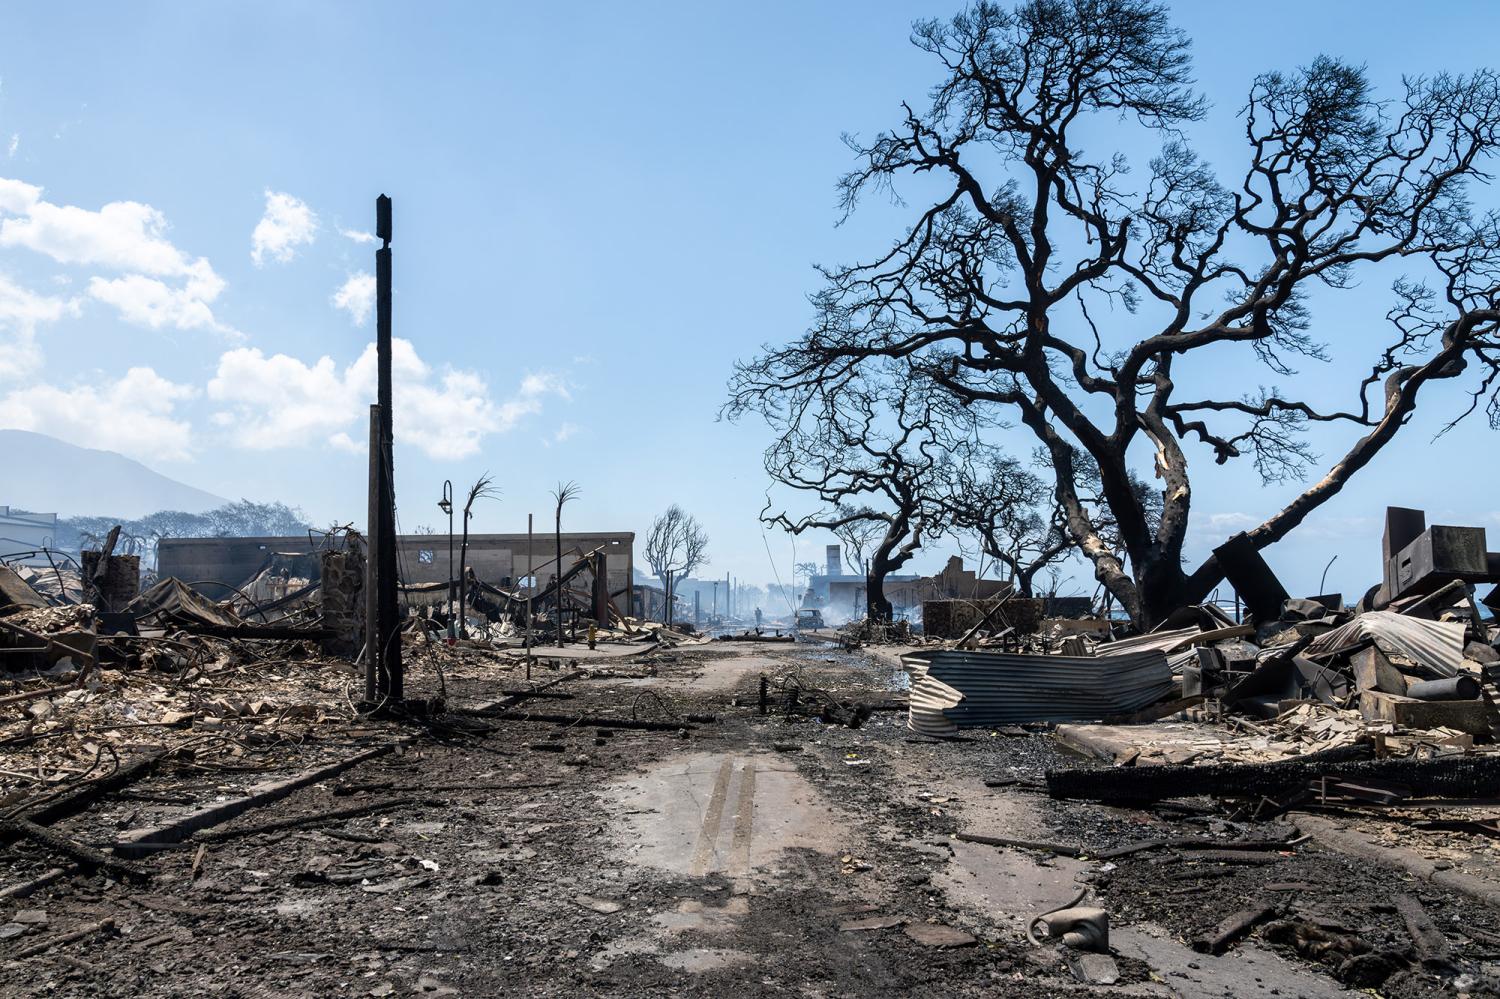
502, 560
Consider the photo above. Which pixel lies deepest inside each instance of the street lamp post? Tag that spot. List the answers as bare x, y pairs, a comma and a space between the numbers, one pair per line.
446, 505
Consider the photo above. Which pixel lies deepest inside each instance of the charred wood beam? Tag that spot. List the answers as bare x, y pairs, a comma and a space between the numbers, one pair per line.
85, 795
586, 721
85, 855
1454, 777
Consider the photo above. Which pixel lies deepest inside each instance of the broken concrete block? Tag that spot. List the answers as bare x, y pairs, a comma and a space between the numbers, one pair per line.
1465, 716
1373, 671
1092, 969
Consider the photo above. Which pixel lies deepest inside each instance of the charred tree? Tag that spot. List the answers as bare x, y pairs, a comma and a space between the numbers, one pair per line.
871, 458
675, 548
1008, 509
997, 293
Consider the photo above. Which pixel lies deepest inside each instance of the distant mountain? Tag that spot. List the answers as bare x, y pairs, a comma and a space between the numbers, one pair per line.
46, 475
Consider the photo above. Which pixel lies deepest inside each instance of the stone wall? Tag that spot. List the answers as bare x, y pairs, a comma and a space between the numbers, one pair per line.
343, 597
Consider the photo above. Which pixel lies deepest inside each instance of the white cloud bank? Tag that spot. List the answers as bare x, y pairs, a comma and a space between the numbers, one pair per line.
21, 312
133, 415
356, 296
288, 223
280, 401
161, 285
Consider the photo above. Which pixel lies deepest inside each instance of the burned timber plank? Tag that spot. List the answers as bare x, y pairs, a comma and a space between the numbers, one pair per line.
303, 821
1430, 944
84, 854
141, 842
1235, 927
589, 721
1456, 777
84, 795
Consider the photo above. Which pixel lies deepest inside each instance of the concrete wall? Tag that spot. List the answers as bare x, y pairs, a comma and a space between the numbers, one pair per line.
21, 532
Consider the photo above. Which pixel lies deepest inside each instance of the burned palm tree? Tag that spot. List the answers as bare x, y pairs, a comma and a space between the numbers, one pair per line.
483, 488
564, 492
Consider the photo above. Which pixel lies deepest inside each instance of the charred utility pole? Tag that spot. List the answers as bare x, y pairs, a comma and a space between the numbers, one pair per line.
386, 653
372, 567
530, 590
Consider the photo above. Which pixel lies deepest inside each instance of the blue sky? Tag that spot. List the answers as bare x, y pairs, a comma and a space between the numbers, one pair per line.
598, 207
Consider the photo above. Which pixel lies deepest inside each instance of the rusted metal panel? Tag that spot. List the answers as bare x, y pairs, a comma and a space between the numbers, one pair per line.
952, 689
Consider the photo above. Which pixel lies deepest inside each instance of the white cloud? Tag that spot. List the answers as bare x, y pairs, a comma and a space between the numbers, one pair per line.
147, 301
356, 296
162, 285
1225, 524
359, 235
17, 197
280, 401
21, 311
124, 235
132, 415
15, 144
287, 224
562, 433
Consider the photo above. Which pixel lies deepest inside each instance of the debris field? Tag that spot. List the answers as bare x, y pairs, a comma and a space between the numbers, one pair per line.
197, 797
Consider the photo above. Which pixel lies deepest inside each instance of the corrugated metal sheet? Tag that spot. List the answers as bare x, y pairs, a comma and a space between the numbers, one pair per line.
1438, 645
952, 689
1163, 640
1178, 662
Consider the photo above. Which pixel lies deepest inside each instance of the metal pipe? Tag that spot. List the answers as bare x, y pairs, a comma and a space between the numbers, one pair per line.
1456, 688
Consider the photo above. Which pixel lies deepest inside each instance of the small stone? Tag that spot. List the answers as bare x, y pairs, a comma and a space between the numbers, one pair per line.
428, 985
939, 935
606, 906
35, 917
871, 923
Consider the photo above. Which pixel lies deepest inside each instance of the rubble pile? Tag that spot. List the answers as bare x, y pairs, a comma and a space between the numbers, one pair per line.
1408, 673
